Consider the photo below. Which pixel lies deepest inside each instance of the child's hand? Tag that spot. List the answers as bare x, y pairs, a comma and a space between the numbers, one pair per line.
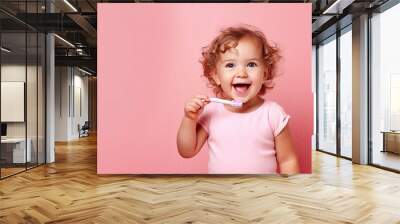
195, 105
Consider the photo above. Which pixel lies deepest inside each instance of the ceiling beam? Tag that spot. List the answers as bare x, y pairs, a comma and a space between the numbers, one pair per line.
86, 26
85, 61
337, 7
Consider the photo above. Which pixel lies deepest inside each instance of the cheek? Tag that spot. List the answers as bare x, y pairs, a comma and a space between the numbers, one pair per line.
226, 76
226, 83
258, 76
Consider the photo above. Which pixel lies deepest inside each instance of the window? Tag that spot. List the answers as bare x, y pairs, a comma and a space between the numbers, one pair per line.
385, 88
346, 92
327, 95
22, 65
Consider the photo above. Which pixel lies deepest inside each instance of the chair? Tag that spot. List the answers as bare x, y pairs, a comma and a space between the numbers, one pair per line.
84, 130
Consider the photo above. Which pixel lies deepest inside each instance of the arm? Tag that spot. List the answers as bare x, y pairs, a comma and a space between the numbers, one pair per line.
286, 155
191, 138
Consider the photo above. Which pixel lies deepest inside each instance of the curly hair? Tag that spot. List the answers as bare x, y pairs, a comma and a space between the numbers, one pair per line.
229, 38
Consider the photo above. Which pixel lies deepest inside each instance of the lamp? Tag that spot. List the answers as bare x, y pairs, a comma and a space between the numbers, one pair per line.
64, 40
5, 50
70, 5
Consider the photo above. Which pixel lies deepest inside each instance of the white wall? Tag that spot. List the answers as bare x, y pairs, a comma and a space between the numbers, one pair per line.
62, 78
79, 117
70, 84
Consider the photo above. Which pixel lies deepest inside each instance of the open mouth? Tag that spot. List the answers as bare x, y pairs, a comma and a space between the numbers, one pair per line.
241, 88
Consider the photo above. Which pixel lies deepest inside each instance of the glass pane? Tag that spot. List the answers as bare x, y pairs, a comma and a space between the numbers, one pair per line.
327, 96
386, 89
31, 101
23, 88
13, 86
41, 98
314, 78
346, 94
31, 84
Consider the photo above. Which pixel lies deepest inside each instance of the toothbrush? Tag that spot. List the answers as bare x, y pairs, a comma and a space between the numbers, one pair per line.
234, 103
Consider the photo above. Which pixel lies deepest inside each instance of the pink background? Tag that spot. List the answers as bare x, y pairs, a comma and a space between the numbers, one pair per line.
148, 67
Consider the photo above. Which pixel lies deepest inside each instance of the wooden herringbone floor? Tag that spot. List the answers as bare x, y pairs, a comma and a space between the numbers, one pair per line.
70, 191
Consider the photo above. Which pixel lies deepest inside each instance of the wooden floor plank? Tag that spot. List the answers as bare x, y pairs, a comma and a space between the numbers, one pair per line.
70, 191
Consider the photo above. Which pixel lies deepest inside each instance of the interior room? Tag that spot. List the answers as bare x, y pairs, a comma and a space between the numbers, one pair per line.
49, 126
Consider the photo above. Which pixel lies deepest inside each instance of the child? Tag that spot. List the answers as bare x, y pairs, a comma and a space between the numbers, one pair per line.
240, 65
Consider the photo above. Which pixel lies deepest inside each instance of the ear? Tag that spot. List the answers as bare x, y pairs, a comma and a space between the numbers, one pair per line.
216, 78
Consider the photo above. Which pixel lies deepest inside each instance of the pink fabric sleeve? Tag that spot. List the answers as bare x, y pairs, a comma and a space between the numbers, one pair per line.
204, 119
277, 118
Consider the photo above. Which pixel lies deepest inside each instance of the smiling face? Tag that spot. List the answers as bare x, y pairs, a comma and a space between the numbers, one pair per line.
240, 71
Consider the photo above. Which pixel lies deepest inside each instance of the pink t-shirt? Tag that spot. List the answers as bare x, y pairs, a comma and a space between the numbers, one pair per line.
243, 142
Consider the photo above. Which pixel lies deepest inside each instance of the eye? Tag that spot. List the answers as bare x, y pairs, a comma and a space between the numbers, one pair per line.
252, 64
229, 65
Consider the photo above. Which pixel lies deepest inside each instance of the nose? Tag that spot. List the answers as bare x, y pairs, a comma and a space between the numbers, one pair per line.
242, 73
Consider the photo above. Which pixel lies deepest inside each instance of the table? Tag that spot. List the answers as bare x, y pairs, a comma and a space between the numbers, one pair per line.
391, 141
15, 148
